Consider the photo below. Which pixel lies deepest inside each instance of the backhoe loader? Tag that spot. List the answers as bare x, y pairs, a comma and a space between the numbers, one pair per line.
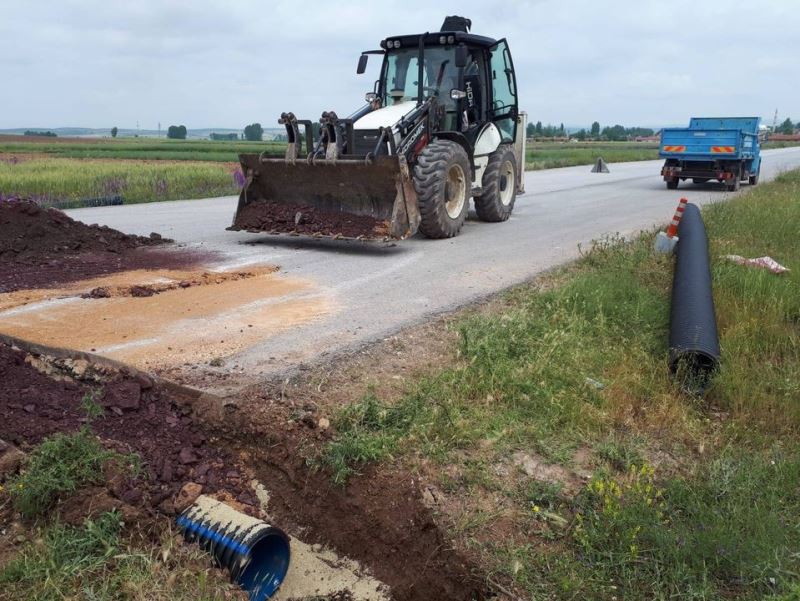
441, 126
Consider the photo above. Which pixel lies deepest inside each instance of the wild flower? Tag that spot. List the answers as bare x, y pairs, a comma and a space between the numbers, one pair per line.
238, 177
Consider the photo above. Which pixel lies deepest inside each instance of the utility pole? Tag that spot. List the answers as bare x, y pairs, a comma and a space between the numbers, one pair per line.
775, 121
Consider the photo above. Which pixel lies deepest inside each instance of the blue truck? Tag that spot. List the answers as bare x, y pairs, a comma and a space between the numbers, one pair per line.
723, 149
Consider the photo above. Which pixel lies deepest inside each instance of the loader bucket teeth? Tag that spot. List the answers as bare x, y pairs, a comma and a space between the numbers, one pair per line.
341, 199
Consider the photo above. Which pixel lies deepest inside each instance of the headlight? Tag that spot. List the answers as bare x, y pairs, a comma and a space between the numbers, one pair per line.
442, 39
397, 43
451, 39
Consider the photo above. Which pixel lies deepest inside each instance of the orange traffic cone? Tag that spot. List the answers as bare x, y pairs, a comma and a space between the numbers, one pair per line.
665, 242
672, 230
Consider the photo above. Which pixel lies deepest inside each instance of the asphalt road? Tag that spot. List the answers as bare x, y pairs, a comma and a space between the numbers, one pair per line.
378, 289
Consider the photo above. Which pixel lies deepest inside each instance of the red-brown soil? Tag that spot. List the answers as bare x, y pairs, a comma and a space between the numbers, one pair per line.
139, 416
379, 518
275, 217
42, 247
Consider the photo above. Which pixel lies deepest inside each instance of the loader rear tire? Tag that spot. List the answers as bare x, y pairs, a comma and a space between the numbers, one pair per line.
442, 179
496, 201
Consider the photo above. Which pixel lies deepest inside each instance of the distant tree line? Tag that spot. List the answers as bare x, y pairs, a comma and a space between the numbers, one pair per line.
176, 132
613, 133
45, 134
216, 136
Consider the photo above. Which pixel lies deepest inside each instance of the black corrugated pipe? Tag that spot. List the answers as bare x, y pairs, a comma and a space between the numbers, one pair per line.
256, 553
693, 339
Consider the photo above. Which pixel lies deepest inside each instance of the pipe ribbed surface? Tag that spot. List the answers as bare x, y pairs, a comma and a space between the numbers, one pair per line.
255, 553
693, 339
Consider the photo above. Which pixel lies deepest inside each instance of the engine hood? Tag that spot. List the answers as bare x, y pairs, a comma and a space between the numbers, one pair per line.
386, 116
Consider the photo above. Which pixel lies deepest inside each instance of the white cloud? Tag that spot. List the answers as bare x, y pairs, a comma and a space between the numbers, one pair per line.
204, 63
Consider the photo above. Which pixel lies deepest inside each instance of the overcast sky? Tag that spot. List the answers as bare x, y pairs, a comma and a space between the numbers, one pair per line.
203, 63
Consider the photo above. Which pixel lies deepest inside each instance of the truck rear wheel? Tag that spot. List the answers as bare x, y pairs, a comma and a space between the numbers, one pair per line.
499, 185
672, 183
442, 181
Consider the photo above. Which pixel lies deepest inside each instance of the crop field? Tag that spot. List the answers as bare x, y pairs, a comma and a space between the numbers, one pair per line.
73, 182
549, 155
134, 148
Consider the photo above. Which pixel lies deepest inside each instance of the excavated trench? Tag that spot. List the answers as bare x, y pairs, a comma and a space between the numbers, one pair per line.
225, 445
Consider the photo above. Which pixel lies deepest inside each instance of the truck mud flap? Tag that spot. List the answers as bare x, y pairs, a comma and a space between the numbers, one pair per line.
352, 199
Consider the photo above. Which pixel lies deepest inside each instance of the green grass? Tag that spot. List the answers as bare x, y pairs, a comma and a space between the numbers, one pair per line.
59, 466
68, 181
728, 531
96, 561
523, 380
548, 155
719, 519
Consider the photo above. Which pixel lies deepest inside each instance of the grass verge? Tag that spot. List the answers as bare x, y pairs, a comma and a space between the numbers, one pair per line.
691, 498
549, 155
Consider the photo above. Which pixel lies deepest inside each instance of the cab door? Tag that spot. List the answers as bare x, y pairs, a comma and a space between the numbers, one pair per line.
503, 106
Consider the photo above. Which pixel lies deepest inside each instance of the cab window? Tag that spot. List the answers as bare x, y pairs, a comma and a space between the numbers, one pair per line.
503, 107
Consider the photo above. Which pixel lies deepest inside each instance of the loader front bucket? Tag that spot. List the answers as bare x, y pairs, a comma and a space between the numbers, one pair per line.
342, 199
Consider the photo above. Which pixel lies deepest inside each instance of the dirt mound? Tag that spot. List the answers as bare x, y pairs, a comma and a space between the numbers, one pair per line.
285, 218
42, 247
42, 396
33, 233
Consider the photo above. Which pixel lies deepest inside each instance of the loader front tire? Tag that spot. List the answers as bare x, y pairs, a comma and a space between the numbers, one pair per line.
442, 179
496, 201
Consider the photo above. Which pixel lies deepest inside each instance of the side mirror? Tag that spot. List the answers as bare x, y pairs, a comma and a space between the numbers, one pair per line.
362, 63
462, 56
370, 97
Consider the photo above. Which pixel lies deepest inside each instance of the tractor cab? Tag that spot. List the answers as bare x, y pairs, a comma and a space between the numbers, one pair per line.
471, 77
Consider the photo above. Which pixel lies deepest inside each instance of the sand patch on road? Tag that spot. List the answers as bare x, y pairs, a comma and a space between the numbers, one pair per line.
191, 317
